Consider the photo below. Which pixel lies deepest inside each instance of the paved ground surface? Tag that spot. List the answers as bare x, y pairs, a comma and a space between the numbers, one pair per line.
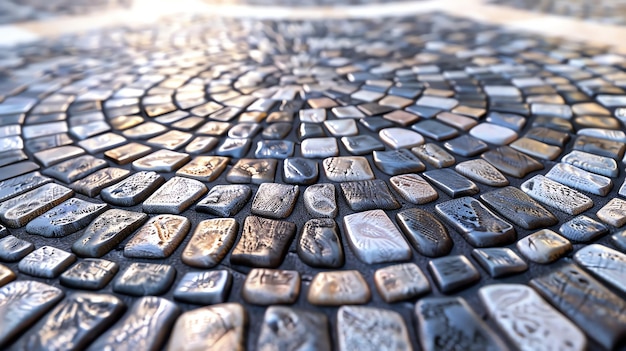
453, 168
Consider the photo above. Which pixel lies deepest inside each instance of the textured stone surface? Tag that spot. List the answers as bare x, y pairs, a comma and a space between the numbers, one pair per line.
509, 304
144, 327
449, 322
286, 328
271, 287
425, 232
66, 218
204, 288
335, 288
218, 327
368, 195
586, 302
211, 240
320, 200
544, 246
141, 279
107, 231
18, 211
374, 238
478, 225
89, 274
275, 200
176, 195
368, 328
557, 195
319, 244
263, 243
605, 263
46, 262
22, 303
401, 282
451, 183
519, 208
132, 190
76, 321
499, 262
225, 200
158, 238
580, 179
413, 188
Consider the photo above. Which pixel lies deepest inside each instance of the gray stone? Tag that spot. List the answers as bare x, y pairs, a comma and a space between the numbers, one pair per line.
46, 262
89, 274
582, 229
336, 288
586, 302
427, 235
13, 249
107, 231
271, 287
18, 211
557, 195
413, 188
158, 238
142, 279
511, 162
66, 218
499, 261
508, 304
593, 163
225, 200
320, 200
92, 184
400, 138
374, 238
519, 208
397, 162
204, 288
145, 327
212, 328
347, 169
132, 190
263, 243
544, 246
401, 282
478, 225
580, 179
319, 244
299, 170
451, 183
72, 325
368, 195
175, 196
371, 329
22, 303
481, 171
286, 328
275, 200
19, 185
453, 273
449, 322
210, 242
605, 263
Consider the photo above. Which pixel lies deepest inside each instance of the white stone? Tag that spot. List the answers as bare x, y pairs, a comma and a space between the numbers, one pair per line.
399, 138
493, 133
